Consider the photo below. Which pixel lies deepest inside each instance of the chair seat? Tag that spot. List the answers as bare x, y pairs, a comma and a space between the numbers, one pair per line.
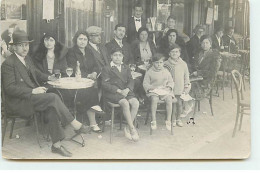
113, 105
245, 103
220, 73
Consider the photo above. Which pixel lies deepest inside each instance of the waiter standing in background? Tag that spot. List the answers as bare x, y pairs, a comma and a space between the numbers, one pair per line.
134, 23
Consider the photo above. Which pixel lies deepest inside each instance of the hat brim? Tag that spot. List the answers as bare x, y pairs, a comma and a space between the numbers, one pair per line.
21, 42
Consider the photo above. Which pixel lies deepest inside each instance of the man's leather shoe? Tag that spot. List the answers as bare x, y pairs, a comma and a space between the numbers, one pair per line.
61, 150
83, 129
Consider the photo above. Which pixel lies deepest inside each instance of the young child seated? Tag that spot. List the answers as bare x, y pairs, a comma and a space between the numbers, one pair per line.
158, 85
118, 85
180, 75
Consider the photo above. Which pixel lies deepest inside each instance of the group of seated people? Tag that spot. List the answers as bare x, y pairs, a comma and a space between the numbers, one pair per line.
166, 78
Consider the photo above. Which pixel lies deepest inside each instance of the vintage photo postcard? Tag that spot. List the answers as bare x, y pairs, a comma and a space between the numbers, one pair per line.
125, 79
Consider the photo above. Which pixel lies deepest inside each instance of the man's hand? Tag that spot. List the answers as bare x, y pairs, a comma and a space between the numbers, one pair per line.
39, 90
52, 77
125, 92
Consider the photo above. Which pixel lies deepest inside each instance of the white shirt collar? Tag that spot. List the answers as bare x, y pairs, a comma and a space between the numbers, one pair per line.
137, 18
219, 40
94, 46
20, 58
119, 42
112, 64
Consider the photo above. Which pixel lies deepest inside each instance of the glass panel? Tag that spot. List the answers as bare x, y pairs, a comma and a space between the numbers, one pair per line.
165, 9
106, 17
13, 9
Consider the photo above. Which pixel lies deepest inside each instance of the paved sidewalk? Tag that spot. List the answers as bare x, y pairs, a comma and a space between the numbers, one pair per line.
209, 138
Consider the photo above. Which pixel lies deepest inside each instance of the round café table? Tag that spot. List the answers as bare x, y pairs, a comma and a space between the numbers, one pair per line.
71, 83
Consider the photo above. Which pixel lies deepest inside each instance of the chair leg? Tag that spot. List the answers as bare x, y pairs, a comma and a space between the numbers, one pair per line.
37, 129
112, 124
223, 85
231, 81
173, 110
12, 128
217, 89
4, 131
147, 116
151, 130
103, 123
241, 119
234, 130
210, 103
199, 105
195, 107
121, 118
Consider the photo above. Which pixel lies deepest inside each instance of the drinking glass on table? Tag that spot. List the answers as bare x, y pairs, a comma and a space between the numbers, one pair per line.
57, 73
69, 71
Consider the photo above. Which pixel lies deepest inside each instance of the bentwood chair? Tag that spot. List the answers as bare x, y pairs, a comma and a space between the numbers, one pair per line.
13, 117
199, 93
242, 104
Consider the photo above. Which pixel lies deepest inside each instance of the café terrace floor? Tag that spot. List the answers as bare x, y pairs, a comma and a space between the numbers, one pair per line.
209, 138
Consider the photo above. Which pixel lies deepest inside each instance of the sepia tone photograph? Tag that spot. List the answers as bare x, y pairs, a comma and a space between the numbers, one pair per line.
125, 79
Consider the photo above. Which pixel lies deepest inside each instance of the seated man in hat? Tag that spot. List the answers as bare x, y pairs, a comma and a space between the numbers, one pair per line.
24, 95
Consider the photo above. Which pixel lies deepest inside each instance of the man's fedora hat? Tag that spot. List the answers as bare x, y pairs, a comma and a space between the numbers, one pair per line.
20, 36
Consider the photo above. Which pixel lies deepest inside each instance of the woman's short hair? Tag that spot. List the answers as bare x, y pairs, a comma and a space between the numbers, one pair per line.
157, 57
78, 33
42, 50
141, 30
204, 37
170, 31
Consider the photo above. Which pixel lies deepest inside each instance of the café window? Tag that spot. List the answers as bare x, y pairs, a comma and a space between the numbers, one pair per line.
80, 14
166, 8
13, 9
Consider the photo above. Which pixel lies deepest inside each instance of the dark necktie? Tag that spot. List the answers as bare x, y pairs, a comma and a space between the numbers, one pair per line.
138, 20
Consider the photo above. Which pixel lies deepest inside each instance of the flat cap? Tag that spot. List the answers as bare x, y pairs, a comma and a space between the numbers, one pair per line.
94, 30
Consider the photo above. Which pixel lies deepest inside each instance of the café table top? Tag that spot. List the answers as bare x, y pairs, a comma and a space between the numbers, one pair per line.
229, 55
243, 51
71, 83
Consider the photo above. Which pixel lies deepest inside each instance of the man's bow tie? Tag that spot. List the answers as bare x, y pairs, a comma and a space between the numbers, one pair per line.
138, 20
